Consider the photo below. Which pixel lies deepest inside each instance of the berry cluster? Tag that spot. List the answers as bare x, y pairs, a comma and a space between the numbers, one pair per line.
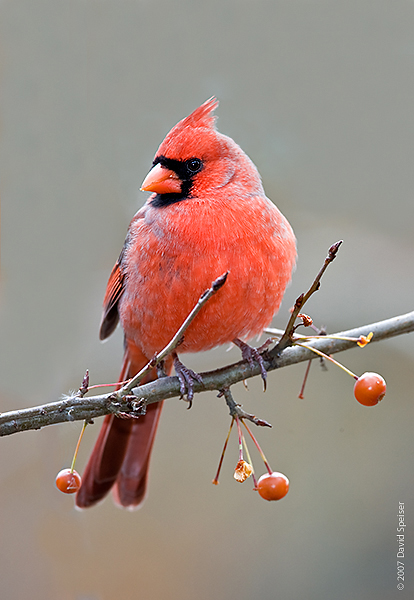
272, 485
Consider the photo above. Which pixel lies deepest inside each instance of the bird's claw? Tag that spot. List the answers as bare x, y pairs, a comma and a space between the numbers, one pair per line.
253, 355
187, 377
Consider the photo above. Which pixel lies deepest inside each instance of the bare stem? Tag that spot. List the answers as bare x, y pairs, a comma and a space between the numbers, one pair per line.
77, 446
256, 443
250, 463
240, 434
305, 378
323, 355
286, 338
216, 478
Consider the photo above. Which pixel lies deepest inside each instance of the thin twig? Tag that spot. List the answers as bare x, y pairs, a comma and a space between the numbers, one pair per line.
286, 338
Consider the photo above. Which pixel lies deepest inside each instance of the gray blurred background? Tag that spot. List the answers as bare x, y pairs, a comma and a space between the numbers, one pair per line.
320, 94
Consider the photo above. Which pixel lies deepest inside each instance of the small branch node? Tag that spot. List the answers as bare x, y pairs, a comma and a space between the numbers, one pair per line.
237, 412
219, 282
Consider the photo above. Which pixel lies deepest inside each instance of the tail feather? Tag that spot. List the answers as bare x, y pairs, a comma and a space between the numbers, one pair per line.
121, 454
131, 485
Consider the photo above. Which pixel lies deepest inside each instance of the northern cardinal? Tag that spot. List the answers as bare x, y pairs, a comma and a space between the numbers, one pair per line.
208, 214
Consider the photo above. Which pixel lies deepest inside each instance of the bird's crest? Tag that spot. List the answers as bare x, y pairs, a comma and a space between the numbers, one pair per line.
201, 116
180, 140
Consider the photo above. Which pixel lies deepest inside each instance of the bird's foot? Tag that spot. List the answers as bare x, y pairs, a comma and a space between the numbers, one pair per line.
187, 378
253, 355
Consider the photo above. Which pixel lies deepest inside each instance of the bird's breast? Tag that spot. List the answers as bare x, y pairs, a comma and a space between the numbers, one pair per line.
176, 252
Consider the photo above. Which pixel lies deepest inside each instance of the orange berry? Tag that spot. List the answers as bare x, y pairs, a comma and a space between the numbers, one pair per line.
273, 486
68, 481
369, 389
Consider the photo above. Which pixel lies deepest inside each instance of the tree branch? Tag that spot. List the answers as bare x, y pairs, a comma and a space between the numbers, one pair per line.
79, 408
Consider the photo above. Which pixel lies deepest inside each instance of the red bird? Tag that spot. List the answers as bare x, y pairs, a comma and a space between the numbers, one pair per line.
208, 214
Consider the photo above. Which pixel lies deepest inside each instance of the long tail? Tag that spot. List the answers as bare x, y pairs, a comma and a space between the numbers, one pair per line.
122, 452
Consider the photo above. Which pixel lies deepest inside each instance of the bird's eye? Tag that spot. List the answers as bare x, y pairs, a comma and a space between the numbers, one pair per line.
193, 165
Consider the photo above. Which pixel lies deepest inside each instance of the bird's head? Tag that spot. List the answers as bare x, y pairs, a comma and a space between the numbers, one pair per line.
195, 159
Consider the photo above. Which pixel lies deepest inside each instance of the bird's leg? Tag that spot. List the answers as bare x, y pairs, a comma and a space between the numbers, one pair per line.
254, 354
187, 377
161, 372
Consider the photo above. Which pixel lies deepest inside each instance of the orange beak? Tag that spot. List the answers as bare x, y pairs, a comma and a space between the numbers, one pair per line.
161, 181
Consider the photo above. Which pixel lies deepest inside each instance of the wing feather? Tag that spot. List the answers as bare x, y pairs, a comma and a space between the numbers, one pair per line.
114, 290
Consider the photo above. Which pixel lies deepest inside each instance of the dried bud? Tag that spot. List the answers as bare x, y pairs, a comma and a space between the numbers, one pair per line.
364, 340
243, 471
306, 319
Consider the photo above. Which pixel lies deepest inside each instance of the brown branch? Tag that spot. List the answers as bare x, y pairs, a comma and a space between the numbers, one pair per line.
286, 339
236, 410
78, 408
